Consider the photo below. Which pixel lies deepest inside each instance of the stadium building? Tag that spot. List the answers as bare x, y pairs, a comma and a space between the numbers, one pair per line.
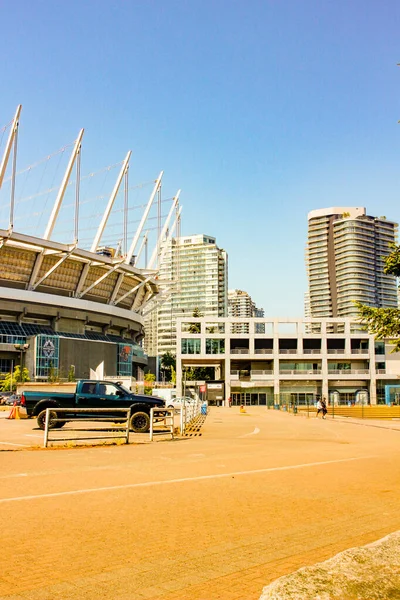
64, 308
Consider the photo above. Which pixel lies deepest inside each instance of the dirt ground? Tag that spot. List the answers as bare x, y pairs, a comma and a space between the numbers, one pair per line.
216, 516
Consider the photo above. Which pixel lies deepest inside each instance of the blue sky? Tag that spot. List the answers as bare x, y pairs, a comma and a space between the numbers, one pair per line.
260, 111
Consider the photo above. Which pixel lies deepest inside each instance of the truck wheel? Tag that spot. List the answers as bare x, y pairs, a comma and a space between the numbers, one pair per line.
140, 422
41, 420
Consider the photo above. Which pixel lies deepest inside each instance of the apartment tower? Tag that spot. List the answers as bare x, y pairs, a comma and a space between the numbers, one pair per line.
345, 260
197, 272
241, 305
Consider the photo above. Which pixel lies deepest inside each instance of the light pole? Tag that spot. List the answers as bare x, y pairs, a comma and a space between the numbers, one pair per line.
22, 349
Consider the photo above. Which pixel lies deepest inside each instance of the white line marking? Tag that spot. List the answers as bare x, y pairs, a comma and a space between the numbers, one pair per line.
183, 480
256, 430
34, 435
11, 444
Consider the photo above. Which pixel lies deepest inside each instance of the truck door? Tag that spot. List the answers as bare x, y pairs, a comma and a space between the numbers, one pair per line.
87, 396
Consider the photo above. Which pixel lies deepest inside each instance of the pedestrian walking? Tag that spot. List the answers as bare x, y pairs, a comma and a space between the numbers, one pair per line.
321, 407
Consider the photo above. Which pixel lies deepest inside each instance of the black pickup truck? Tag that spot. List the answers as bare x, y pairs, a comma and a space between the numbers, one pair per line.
92, 394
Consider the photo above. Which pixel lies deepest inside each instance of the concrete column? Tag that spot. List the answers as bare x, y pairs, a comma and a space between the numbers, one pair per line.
372, 391
179, 376
227, 371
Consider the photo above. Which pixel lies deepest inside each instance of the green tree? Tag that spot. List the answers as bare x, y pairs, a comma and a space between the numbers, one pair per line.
384, 323
168, 362
9, 383
173, 375
199, 374
195, 327
71, 373
53, 375
149, 380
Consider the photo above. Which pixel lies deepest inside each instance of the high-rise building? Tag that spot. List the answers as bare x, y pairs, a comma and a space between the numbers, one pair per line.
344, 258
197, 271
241, 305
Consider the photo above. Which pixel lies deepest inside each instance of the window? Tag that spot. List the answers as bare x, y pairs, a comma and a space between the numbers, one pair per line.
107, 389
190, 346
124, 363
47, 355
215, 346
88, 388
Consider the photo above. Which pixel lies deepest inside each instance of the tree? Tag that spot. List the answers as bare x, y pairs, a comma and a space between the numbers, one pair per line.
9, 384
168, 362
384, 323
149, 379
199, 374
71, 373
195, 327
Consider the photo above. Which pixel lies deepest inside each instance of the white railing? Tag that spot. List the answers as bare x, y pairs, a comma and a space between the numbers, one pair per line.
348, 371
258, 372
263, 351
288, 350
168, 422
336, 351
359, 350
240, 351
291, 372
381, 371
110, 419
189, 412
311, 350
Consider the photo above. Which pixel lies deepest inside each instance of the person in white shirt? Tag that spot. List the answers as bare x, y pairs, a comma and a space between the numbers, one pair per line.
321, 407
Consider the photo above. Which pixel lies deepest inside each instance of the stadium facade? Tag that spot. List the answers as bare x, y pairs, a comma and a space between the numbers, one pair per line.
63, 307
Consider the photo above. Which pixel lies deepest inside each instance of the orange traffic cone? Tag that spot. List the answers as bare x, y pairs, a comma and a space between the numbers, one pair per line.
12, 413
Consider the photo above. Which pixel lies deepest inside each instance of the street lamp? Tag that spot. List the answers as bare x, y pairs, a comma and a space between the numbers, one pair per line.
22, 349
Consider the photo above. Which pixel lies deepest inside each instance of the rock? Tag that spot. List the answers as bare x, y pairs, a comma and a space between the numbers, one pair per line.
369, 572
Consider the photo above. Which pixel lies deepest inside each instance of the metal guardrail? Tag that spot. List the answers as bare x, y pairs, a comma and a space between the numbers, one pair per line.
187, 413
168, 422
110, 419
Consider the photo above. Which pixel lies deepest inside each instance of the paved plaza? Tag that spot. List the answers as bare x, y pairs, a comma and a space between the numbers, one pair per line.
216, 516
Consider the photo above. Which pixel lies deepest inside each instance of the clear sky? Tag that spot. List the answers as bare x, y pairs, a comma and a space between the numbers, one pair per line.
260, 111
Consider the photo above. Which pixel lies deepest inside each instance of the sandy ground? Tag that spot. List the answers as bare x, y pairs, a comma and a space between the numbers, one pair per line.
256, 496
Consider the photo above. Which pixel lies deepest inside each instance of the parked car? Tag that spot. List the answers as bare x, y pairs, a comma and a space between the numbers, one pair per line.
178, 402
14, 399
4, 396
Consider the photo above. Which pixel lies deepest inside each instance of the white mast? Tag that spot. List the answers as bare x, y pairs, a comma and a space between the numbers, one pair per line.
144, 217
123, 171
63, 187
163, 232
10, 141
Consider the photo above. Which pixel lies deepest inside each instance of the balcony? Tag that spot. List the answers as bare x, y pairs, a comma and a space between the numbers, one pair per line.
240, 351
264, 351
336, 351
287, 350
381, 371
311, 350
261, 373
359, 350
348, 372
299, 373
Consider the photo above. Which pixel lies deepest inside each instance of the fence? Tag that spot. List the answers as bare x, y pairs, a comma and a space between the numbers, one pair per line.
356, 411
55, 420
168, 422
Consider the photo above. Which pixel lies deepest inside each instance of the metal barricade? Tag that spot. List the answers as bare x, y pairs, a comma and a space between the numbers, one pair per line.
168, 422
75, 411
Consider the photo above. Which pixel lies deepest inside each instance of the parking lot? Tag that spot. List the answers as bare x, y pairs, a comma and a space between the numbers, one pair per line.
25, 433
256, 496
